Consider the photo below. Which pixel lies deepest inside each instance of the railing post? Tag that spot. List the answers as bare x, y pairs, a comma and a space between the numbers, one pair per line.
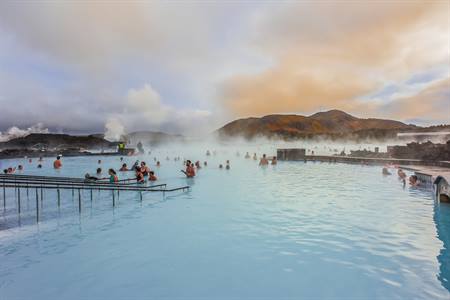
4, 196
59, 196
37, 206
79, 201
18, 199
42, 196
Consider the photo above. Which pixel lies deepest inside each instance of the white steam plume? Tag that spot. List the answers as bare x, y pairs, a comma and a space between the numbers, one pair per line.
15, 132
114, 129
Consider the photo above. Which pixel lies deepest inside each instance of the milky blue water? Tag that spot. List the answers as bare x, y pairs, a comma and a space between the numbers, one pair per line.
292, 231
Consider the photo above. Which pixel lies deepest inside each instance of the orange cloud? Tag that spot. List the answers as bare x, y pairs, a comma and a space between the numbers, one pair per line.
331, 55
432, 103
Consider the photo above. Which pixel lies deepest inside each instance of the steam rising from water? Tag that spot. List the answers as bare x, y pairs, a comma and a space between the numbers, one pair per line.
114, 129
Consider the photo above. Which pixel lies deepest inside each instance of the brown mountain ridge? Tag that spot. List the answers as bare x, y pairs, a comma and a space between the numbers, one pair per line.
334, 124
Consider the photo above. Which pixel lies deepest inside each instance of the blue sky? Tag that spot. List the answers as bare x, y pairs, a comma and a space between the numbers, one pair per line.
190, 67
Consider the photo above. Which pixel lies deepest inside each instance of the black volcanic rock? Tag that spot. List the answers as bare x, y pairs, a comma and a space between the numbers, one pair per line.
56, 141
423, 151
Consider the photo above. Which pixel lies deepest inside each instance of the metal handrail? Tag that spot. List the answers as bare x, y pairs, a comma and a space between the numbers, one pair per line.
37, 177
63, 179
32, 183
65, 183
68, 187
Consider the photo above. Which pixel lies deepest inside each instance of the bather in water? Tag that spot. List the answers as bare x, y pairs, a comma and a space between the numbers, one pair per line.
263, 161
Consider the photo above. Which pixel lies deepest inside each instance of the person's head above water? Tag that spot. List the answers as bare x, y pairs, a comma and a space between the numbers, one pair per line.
111, 172
99, 170
58, 157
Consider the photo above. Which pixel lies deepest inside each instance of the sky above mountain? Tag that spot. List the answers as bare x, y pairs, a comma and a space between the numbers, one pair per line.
190, 67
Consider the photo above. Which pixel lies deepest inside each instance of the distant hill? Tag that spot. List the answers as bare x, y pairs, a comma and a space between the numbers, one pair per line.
333, 124
56, 141
151, 138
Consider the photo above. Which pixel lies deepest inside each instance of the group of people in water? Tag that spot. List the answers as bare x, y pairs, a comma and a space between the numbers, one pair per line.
413, 179
143, 172
12, 170
264, 161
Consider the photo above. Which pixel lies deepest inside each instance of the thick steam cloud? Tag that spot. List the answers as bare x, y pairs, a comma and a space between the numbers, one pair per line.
15, 132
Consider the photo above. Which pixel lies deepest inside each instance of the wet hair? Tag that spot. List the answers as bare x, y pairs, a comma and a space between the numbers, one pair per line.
99, 170
124, 165
5, 171
58, 157
152, 173
112, 171
39, 166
